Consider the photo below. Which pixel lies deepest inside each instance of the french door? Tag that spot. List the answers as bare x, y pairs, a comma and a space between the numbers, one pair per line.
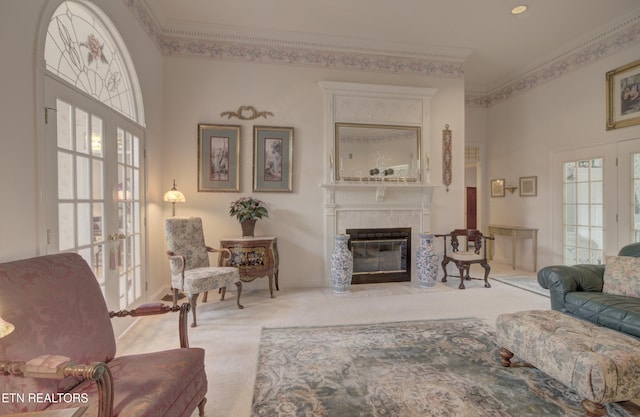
94, 190
599, 193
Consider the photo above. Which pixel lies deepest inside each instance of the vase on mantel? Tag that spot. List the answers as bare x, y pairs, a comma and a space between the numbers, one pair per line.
427, 262
341, 265
248, 227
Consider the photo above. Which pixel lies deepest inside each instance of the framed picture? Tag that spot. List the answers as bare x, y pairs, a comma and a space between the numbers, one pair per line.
218, 157
623, 96
528, 186
272, 158
497, 188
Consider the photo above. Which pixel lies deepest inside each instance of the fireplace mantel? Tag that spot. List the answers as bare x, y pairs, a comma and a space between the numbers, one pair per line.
376, 204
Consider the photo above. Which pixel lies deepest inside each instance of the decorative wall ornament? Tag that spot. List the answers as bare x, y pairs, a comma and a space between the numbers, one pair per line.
446, 156
246, 113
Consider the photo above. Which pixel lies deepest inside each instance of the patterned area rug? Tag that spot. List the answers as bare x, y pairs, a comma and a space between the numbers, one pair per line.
406, 369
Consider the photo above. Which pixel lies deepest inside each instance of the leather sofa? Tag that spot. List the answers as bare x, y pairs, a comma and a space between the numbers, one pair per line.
577, 290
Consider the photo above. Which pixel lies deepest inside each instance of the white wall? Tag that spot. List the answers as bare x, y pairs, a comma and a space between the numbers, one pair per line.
197, 91
178, 94
524, 131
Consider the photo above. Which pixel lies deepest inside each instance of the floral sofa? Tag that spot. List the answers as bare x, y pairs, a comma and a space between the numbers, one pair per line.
608, 295
62, 353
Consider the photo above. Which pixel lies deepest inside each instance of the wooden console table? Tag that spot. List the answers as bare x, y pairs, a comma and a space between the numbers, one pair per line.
256, 257
516, 232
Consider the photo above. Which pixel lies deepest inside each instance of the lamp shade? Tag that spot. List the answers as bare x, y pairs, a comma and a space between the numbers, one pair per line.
5, 328
173, 195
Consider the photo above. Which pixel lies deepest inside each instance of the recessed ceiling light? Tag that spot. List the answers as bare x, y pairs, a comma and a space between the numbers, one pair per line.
519, 9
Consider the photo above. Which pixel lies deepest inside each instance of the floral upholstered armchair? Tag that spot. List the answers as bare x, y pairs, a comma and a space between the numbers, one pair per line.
62, 353
191, 271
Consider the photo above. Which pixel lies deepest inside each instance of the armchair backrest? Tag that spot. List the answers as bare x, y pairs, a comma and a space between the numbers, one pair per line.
470, 236
57, 307
186, 238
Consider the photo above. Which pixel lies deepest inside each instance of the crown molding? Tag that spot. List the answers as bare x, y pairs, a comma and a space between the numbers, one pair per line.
235, 44
623, 35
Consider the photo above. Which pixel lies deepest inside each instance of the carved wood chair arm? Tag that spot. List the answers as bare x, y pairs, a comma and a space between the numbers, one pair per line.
152, 309
59, 367
224, 253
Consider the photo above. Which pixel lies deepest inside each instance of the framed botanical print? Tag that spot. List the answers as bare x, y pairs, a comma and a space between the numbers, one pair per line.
528, 186
272, 159
623, 96
497, 188
218, 157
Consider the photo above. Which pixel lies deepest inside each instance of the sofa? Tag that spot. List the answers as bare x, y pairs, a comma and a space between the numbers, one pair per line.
62, 350
607, 295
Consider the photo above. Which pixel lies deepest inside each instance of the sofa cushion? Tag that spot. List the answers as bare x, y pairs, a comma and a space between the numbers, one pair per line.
613, 311
622, 276
161, 384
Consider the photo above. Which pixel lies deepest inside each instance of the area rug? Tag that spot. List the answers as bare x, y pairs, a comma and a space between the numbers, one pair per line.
404, 369
526, 283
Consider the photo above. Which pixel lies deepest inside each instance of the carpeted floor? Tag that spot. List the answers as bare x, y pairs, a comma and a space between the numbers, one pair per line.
405, 369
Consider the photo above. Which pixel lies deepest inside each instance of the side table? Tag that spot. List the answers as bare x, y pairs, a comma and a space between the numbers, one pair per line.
255, 257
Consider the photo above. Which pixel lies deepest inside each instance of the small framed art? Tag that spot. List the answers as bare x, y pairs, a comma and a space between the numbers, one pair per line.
497, 188
218, 157
528, 186
272, 159
623, 96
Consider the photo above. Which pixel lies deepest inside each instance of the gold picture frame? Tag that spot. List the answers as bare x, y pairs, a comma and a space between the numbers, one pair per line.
497, 187
623, 96
218, 157
528, 186
272, 159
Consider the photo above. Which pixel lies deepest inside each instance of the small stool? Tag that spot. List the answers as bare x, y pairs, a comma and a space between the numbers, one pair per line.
600, 364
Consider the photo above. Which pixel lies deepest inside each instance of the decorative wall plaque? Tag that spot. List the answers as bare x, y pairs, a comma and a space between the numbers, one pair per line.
446, 156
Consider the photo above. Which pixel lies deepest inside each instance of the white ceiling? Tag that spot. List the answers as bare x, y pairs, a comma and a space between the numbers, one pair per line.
498, 47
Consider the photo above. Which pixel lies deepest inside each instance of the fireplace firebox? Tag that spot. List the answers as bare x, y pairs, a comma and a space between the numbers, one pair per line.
380, 255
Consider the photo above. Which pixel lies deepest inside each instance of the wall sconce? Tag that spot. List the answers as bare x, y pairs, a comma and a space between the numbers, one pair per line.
511, 188
174, 196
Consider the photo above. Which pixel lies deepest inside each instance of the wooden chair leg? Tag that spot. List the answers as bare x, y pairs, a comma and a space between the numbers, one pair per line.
461, 268
444, 268
223, 291
201, 407
592, 409
176, 293
205, 296
239, 285
487, 268
193, 300
505, 357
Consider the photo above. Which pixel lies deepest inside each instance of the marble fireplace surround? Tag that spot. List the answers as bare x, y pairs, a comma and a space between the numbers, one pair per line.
360, 205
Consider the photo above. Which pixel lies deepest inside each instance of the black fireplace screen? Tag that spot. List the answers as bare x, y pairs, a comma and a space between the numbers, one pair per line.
380, 255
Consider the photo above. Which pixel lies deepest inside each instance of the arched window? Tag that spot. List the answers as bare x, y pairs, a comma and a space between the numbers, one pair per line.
84, 49
94, 156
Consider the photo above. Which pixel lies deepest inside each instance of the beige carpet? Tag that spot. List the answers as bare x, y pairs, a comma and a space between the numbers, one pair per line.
231, 337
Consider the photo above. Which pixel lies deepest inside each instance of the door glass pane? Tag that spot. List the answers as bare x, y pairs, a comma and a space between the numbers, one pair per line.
83, 178
66, 226
583, 211
64, 132
635, 200
85, 224
65, 176
82, 131
96, 136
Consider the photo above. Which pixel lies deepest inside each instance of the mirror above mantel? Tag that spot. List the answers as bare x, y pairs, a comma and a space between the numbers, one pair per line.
377, 153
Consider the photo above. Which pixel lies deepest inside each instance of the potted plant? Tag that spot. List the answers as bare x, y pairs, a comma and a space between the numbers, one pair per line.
248, 210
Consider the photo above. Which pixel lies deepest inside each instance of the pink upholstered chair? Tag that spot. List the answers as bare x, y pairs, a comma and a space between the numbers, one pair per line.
191, 271
58, 309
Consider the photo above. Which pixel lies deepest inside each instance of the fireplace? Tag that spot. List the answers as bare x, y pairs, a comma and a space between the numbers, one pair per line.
380, 255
